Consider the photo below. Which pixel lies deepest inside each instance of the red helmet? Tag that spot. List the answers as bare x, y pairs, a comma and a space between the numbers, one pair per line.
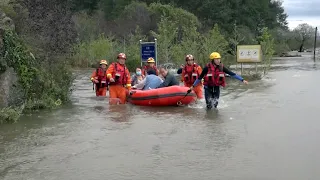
189, 57
122, 55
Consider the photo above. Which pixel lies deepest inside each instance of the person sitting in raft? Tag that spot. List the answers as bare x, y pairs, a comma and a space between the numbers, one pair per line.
137, 78
150, 65
99, 78
214, 77
151, 81
190, 73
169, 79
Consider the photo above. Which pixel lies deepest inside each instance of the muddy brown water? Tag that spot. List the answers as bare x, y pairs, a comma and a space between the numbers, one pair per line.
269, 129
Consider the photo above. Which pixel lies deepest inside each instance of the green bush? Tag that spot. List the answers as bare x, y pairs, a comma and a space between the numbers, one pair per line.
45, 86
10, 115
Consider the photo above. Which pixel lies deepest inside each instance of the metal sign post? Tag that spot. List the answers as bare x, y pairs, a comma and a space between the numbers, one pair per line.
148, 49
156, 45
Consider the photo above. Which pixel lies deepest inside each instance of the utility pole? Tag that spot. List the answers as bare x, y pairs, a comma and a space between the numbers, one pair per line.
315, 43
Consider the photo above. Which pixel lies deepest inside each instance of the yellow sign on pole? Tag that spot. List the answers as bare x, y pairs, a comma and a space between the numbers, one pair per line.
249, 53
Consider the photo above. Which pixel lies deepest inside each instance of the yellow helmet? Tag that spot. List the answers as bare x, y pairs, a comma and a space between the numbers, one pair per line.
215, 55
150, 60
104, 62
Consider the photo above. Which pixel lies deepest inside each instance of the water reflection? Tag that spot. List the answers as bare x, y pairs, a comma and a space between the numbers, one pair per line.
119, 113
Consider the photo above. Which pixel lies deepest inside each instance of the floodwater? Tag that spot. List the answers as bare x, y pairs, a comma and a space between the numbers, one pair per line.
268, 130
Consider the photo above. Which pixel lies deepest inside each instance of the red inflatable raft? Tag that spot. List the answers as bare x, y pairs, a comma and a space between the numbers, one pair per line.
167, 96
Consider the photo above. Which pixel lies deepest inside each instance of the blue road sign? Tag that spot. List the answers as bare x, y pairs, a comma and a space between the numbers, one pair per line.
148, 50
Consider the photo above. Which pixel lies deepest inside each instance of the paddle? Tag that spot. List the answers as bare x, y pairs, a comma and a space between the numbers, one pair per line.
179, 103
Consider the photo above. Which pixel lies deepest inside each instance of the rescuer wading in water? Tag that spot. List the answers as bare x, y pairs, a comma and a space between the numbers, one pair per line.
214, 77
99, 78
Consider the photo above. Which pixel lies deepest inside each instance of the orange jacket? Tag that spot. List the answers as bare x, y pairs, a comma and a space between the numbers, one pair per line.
198, 70
117, 68
95, 75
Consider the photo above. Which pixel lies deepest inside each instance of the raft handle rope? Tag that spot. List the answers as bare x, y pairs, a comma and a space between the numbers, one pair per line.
131, 92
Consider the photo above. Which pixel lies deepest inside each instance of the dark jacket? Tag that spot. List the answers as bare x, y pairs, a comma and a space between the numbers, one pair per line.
170, 80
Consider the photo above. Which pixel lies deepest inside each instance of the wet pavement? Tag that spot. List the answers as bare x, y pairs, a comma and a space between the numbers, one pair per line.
266, 130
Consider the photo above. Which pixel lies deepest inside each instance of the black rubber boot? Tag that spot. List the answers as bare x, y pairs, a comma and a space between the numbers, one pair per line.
215, 103
209, 104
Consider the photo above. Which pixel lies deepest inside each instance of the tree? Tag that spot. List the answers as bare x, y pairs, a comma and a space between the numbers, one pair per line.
304, 32
88, 5
188, 29
240, 35
183, 19
113, 8
213, 41
134, 14
89, 53
52, 21
132, 48
267, 44
251, 13
281, 39
166, 35
190, 44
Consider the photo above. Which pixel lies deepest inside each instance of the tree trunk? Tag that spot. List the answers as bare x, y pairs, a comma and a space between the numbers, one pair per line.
301, 48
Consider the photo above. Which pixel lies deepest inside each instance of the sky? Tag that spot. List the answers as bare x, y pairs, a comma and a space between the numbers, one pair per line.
302, 11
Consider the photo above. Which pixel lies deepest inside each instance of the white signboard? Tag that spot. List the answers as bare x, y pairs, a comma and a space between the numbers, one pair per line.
249, 53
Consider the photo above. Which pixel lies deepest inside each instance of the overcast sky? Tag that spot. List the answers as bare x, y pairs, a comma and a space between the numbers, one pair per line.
302, 11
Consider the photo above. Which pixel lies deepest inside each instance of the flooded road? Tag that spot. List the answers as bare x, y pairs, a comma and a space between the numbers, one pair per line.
266, 130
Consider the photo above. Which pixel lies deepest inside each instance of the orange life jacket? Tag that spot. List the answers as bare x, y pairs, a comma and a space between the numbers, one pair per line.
190, 73
215, 76
147, 68
119, 74
101, 77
